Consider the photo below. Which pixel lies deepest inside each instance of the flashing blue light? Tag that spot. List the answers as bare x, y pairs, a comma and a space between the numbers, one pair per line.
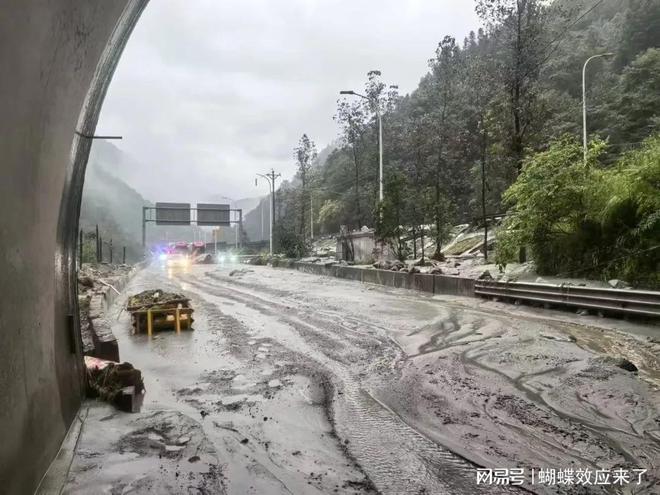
162, 257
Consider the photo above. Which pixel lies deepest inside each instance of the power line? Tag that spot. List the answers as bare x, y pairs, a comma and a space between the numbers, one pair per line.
560, 37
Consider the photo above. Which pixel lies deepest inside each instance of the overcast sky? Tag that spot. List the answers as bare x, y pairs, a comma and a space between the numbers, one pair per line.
209, 92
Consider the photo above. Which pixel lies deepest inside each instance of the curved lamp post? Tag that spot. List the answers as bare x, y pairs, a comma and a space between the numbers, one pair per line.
584, 101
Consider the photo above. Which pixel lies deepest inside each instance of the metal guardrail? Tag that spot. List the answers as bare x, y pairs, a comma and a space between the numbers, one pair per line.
625, 301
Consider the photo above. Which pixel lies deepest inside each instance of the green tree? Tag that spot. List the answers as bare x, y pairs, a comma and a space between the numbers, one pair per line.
587, 220
389, 227
638, 102
445, 73
518, 28
351, 116
305, 153
330, 215
629, 215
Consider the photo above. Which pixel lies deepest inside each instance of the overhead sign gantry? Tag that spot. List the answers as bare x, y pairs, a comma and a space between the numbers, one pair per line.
206, 214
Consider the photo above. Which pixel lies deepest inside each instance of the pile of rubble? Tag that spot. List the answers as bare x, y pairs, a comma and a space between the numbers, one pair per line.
118, 384
91, 277
154, 299
97, 286
158, 309
431, 266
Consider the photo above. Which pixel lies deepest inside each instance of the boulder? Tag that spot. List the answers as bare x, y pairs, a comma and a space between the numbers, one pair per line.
86, 281
618, 284
397, 266
624, 364
422, 262
438, 256
485, 276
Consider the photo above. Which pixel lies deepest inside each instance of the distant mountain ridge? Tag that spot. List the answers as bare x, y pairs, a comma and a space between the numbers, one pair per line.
116, 207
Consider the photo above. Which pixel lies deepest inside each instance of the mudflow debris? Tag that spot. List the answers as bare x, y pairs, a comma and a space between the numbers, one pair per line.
154, 299
118, 384
158, 309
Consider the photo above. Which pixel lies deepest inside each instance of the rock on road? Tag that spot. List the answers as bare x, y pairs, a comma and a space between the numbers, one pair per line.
295, 383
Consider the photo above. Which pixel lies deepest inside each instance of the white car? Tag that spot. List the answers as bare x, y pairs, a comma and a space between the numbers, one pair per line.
177, 259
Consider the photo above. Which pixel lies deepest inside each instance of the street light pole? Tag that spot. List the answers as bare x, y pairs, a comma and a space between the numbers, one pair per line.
380, 139
311, 217
380, 155
584, 102
270, 177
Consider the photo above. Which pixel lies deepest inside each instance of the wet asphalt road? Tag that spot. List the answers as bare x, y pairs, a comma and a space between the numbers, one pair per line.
306, 384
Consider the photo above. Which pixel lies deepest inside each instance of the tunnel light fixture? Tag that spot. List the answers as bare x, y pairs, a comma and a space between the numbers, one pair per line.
91, 136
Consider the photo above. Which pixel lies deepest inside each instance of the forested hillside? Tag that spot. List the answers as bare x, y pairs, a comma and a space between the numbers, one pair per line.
109, 202
486, 107
112, 205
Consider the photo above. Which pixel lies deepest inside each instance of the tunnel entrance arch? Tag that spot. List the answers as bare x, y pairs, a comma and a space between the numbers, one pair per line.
60, 57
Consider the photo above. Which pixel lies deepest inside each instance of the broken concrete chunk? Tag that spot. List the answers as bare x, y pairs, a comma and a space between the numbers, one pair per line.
119, 384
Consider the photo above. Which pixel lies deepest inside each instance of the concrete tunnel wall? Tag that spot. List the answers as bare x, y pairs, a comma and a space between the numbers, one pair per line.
57, 60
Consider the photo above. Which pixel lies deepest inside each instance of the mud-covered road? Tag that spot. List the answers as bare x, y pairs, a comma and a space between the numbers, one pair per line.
295, 383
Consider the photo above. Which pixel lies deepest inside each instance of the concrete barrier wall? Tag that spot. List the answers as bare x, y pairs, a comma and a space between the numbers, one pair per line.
348, 272
58, 57
458, 286
436, 284
105, 345
423, 282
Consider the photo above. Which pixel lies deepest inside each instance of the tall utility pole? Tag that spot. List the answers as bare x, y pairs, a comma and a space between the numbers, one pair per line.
311, 217
239, 228
584, 102
236, 232
483, 196
144, 227
271, 177
261, 204
380, 139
